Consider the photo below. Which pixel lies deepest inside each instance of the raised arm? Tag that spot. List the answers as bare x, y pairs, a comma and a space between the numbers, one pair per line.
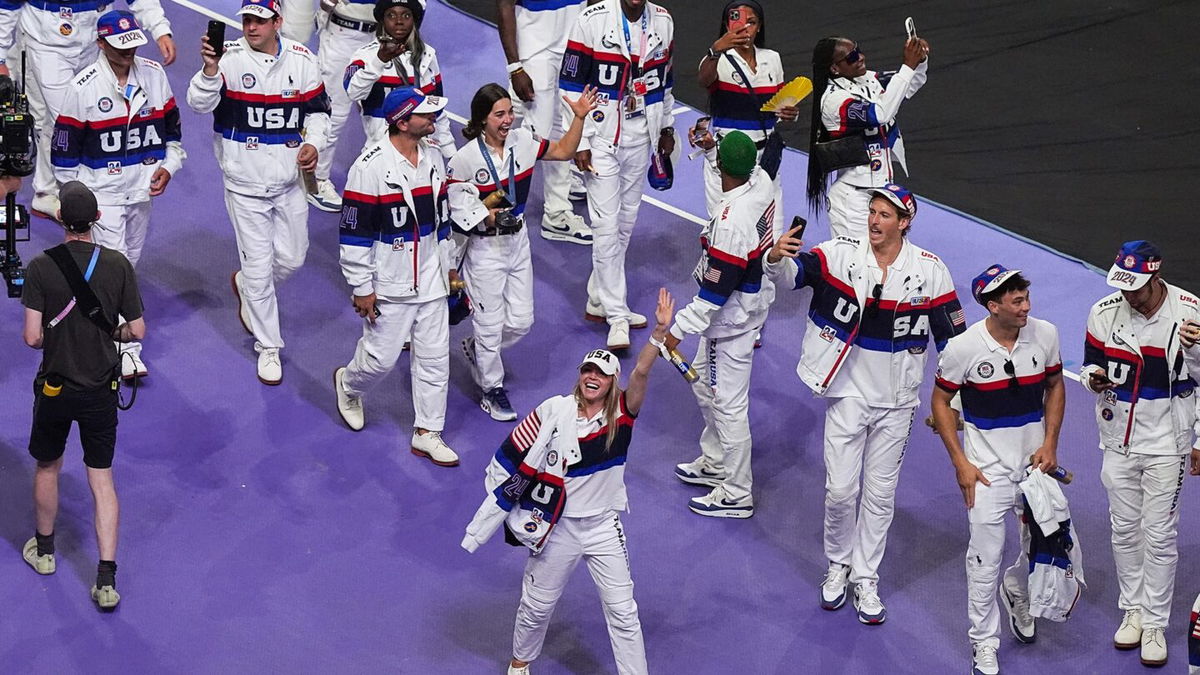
565, 147
635, 391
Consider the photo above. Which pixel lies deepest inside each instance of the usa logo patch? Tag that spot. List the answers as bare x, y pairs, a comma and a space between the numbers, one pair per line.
105, 104
919, 300
248, 80
985, 370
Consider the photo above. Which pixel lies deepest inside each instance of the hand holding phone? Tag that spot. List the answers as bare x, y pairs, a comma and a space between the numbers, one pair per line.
1098, 381
737, 20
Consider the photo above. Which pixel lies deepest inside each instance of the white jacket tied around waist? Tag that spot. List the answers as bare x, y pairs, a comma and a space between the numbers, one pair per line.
265, 107
68, 25
114, 144
1150, 378
597, 55
395, 229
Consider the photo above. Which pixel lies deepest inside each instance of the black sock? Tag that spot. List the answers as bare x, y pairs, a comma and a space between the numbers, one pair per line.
45, 543
106, 574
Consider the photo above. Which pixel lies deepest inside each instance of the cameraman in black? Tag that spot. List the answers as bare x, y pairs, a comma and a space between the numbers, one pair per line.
73, 295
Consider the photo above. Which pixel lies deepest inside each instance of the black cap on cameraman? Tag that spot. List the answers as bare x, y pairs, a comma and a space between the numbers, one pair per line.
78, 207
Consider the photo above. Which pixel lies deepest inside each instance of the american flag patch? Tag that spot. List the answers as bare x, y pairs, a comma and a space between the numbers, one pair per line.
957, 317
526, 432
712, 275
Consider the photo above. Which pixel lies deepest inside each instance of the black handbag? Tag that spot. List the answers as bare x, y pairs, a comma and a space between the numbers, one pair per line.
841, 153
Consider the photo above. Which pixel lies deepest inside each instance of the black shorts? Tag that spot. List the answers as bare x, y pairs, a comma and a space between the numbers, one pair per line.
96, 413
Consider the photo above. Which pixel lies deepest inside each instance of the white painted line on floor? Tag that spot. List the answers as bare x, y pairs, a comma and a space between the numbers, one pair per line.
208, 12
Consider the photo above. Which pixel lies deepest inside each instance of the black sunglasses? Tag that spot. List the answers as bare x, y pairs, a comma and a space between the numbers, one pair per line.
1009, 368
851, 56
873, 307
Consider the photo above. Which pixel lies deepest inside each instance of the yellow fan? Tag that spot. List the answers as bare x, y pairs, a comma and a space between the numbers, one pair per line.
792, 93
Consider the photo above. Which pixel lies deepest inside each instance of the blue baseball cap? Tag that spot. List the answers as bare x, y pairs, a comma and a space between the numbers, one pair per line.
403, 102
898, 195
120, 29
1136, 262
660, 174
263, 9
990, 280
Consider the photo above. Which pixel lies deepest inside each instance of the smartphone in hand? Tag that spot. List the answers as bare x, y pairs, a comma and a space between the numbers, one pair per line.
910, 28
216, 36
737, 20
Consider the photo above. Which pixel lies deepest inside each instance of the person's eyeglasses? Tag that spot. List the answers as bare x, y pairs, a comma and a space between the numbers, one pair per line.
1009, 368
851, 56
873, 307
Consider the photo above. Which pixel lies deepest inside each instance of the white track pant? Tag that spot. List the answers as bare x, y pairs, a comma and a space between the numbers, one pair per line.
426, 325
272, 240
984, 551
499, 273
723, 393
542, 116
50, 72
614, 195
849, 209
122, 227
1143, 509
335, 49
599, 540
867, 442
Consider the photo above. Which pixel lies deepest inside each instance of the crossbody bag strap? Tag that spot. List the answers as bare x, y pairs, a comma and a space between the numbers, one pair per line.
84, 297
746, 83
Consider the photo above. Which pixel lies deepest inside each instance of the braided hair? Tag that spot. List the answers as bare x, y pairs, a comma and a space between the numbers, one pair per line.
818, 177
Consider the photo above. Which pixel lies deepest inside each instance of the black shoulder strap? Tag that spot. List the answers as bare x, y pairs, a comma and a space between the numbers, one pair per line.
85, 297
746, 83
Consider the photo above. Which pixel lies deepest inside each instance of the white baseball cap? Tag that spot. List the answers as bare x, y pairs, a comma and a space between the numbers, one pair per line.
603, 359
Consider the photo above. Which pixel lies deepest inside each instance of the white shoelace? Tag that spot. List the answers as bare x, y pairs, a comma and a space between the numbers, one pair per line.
868, 596
836, 573
985, 657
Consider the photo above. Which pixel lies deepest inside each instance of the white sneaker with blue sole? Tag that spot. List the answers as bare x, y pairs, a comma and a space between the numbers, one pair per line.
867, 603
717, 504
698, 473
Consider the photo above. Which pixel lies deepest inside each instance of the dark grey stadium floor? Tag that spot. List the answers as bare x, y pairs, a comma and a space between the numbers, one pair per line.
1065, 122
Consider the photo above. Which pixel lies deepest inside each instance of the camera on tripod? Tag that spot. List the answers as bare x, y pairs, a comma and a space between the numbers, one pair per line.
16, 159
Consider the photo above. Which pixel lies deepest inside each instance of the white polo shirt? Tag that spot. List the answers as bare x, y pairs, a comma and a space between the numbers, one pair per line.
1003, 420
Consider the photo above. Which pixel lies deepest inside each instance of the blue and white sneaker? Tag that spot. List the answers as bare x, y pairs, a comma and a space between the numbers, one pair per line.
495, 403
698, 473
566, 226
1020, 621
867, 603
834, 586
717, 504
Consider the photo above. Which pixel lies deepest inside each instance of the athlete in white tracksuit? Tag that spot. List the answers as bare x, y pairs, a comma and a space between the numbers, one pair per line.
119, 134
1140, 356
270, 114
497, 265
574, 448
728, 310
855, 102
397, 255
625, 52
60, 40
378, 68
876, 304
343, 26
534, 34
1008, 371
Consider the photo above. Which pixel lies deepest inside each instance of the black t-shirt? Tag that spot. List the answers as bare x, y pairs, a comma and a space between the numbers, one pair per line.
76, 349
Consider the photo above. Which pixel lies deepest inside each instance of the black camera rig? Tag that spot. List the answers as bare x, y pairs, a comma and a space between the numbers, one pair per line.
16, 159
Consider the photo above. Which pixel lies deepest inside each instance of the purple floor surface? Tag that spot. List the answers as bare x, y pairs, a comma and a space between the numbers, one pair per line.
259, 534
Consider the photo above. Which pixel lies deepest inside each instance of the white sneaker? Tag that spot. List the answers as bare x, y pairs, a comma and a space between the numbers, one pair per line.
513, 670
349, 407
326, 197
132, 366
595, 313
1154, 647
566, 226
1129, 635
42, 564
243, 310
431, 445
1020, 622
718, 505
834, 586
618, 335
46, 205
984, 655
697, 472
270, 370
867, 603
